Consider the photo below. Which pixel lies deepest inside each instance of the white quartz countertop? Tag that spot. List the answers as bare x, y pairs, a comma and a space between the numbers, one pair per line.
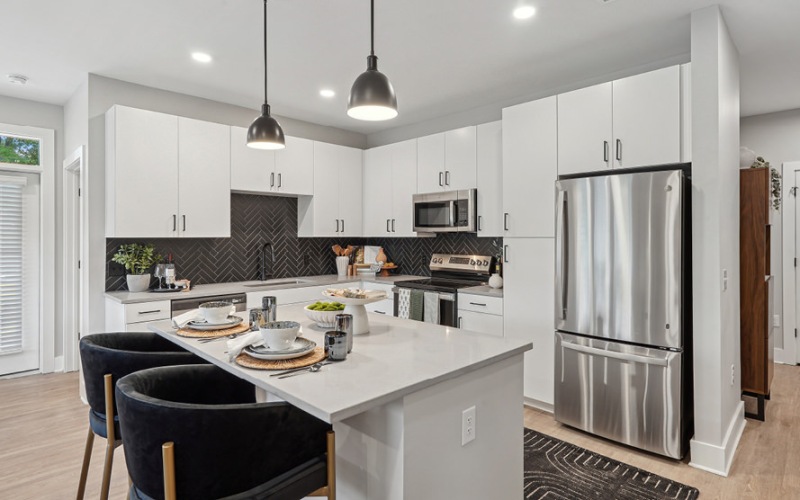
483, 290
398, 357
198, 291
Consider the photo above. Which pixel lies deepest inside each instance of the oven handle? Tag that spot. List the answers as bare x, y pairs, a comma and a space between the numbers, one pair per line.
446, 296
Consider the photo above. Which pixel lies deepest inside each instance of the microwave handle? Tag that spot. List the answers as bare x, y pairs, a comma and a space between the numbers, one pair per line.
453, 213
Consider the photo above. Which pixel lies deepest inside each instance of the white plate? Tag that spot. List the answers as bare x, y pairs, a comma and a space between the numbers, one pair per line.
204, 327
301, 347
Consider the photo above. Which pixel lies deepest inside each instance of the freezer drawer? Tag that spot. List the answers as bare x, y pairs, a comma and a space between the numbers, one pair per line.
621, 392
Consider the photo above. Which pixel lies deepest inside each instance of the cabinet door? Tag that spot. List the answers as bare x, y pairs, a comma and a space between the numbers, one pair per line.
204, 179
490, 179
142, 164
584, 130
384, 307
530, 153
377, 191
350, 190
460, 168
528, 307
404, 184
647, 119
430, 163
252, 170
478, 322
327, 158
294, 167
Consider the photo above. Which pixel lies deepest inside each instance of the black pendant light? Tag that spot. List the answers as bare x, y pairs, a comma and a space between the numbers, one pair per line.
265, 132
372, 96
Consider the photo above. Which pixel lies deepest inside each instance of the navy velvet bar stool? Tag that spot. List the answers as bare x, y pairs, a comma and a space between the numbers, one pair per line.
196, 432
105, 358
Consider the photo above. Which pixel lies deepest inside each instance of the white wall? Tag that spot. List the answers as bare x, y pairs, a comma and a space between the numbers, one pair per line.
719, 418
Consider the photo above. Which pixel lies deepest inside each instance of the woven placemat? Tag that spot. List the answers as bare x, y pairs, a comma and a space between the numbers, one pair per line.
315, 356
199, 334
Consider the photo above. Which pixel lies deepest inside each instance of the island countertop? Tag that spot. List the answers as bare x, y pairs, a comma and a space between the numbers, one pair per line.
398, 357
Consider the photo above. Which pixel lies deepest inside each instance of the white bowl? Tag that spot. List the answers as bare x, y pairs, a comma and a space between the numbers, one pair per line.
280, 335
323, 319
216, 312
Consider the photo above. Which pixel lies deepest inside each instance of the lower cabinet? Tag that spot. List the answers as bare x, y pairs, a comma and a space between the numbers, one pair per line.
134, 317
480, 313
384, 307
528, 283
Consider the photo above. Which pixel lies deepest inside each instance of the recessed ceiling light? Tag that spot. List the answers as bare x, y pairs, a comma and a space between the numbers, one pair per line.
524, 12
18, 79
201, 57
327, 93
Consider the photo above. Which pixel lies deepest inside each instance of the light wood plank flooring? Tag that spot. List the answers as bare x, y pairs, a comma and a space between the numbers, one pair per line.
43, 426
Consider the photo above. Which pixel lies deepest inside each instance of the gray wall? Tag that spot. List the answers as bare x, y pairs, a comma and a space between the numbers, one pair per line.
35, 114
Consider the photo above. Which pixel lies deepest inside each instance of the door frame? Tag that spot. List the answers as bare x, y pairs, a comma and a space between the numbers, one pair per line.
790, 292
47, 235
75, 291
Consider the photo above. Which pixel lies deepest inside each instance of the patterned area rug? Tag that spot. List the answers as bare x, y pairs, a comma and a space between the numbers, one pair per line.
558, 470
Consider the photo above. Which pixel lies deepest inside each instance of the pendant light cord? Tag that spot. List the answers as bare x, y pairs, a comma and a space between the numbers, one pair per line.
371, 27
265, 53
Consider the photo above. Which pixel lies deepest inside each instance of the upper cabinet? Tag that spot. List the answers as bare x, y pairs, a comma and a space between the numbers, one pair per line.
166, 176
530, 158
390, 182
490, 179
447, 161
288, 171
335, 208
631, 122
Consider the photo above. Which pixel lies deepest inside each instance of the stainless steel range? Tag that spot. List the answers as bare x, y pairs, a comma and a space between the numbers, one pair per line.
449, 273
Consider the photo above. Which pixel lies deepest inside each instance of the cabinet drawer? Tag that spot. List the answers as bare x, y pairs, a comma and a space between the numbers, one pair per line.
482, 323
147, 311
384, 307
480, 303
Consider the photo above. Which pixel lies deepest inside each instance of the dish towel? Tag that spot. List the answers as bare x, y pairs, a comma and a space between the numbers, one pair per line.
431, 302
403, 303
416, 305
183, 319
236, 345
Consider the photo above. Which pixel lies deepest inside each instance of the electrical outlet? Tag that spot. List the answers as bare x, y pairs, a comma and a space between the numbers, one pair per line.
733, 374
467, 425
776, 320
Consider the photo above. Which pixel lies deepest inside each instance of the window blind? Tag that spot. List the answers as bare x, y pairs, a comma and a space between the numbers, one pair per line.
11, 227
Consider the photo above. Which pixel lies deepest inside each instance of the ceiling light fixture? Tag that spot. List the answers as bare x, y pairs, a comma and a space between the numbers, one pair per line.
18, 79
201, 57
524, 12
327, 93
265, 132
372, 97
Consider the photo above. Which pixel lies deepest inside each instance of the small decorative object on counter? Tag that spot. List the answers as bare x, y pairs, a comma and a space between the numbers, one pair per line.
341, 266
336, 345
269, 308
496, 281
137, 259
344, 323
381, 257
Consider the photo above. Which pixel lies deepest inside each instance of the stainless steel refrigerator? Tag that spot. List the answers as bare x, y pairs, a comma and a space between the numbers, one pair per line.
623, 308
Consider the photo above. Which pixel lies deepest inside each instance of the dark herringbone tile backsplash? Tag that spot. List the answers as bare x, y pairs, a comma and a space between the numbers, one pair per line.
258, 219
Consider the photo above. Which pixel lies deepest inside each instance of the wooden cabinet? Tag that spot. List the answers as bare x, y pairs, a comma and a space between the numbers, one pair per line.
447, 161
336, 207
528, 307
390, 181
756, 285
490, 179
530, 151
287, 171
166, 176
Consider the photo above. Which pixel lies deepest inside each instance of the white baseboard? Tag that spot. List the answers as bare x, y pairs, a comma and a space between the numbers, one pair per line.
539, 405
58, 365
718, 459
784, 356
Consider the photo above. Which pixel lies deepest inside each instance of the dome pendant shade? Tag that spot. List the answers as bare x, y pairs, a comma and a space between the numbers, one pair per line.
265, 132
372, 97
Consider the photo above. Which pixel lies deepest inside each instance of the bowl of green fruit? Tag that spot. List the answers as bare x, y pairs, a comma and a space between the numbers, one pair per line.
324, 313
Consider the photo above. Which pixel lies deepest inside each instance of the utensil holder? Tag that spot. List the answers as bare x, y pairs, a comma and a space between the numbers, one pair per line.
341, 266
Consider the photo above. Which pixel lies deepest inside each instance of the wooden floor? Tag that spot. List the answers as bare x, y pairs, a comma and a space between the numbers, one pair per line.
43, 428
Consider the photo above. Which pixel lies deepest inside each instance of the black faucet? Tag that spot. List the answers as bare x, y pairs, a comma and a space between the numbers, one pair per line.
263, 273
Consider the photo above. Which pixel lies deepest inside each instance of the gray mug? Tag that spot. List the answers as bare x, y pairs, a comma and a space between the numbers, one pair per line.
344, 323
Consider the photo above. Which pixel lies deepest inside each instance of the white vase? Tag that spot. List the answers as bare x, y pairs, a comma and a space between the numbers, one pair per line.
496, 281
341, 266
138, 282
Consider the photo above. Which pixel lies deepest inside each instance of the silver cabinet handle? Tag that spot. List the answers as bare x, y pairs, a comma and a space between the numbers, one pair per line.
150, 312
459, 321
272, 179
605, 151
505, 221
619, 150
184, 223
337, 225
447, 177
388, 221
279, 180
440, 178
505, 254
477, 304
174, 223
393, 221
622, 356
480, 223
342, 225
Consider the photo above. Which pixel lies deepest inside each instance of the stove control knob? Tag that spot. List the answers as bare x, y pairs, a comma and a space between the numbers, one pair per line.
472, 262
485, 263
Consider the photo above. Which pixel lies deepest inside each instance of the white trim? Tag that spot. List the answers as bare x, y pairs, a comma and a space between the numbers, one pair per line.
75, 281
788, 354
17, 181
718, 459
58, 365
539, 405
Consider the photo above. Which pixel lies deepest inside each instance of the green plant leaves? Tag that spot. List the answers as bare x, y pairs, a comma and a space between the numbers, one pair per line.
137, 259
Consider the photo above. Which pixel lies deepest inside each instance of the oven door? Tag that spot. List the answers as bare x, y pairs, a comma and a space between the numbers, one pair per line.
451, 211
448, 308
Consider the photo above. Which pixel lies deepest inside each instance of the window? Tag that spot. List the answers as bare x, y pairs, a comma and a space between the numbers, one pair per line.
19, 150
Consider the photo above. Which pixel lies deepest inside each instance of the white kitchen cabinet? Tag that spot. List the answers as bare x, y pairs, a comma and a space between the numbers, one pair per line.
482, 323
141, 173
336, 207
134, 317
447, 161
390, 181
251, 169
430, 163
294, 167
204, 179
584, 130
383, 307
528, 290
530, 151
490, 179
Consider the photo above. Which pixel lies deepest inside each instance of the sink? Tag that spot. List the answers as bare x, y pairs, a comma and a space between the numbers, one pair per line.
290, 281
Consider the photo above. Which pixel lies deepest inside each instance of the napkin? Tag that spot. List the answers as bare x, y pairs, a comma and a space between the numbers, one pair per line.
183, 319
236, 345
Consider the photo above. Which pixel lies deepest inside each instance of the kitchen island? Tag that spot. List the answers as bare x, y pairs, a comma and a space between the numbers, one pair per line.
396, 405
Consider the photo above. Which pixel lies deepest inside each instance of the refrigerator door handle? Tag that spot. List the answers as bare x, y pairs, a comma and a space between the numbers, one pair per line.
562, 254
634, 358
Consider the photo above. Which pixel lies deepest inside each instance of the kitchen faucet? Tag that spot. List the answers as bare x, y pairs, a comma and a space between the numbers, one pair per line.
264, 274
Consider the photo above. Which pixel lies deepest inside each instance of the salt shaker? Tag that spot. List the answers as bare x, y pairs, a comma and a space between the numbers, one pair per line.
344, 323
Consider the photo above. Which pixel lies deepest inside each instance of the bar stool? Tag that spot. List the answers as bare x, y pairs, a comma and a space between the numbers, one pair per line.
197, 432
105, 358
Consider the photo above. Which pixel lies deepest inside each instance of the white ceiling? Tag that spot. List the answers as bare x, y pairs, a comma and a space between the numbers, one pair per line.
443, 56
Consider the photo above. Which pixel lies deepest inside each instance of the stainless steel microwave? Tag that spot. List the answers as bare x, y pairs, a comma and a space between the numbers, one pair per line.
446, 212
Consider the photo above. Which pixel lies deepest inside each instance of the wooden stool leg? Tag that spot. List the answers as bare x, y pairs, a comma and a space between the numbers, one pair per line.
87, 456
110, 436
107, 471
331, 465
168, 459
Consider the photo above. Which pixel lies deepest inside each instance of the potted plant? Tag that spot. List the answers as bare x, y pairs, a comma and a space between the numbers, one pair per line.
137, 259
